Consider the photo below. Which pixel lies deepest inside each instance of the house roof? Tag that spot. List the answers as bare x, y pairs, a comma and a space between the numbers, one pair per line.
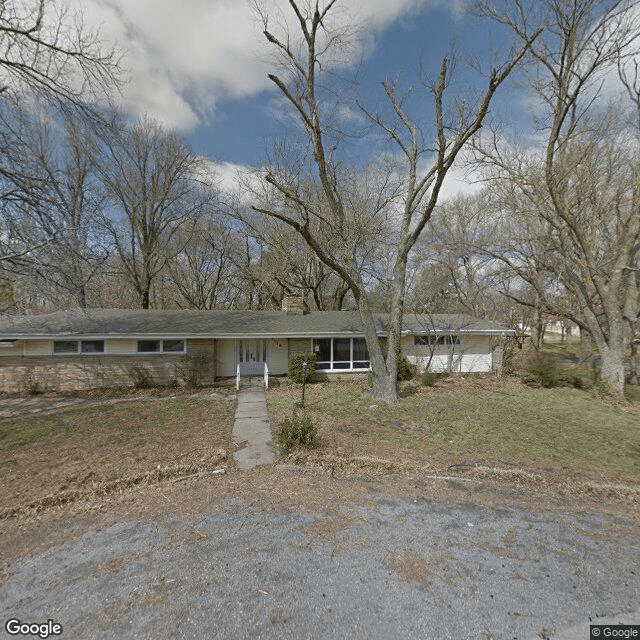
94, 323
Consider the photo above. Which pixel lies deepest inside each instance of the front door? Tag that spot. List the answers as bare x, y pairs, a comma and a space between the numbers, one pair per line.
252, 354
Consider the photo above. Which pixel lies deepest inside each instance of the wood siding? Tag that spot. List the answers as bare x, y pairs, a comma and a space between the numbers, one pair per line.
279, 357
473, 355
299, 345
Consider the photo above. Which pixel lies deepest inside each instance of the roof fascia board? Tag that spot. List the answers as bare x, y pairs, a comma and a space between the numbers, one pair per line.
240, 336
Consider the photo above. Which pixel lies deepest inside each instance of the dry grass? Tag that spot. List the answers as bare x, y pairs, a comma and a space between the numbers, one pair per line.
409, 566
491, 427
77, 453
485, 429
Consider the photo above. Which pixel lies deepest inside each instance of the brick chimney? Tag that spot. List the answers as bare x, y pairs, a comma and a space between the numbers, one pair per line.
293, 304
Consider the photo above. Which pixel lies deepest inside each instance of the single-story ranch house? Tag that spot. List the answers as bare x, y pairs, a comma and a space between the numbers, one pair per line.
82, 349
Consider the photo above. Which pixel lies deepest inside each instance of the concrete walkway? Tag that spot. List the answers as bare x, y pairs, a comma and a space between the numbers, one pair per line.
252, 425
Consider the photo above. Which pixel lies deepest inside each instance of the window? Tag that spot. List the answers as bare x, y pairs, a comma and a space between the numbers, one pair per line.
148, 346
433, 341
92, 346
360, 354
160, 346
67, 347
173, 346
323, 348
341, 354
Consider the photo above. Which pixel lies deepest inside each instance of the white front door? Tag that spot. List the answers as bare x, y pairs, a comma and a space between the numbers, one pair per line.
252, 354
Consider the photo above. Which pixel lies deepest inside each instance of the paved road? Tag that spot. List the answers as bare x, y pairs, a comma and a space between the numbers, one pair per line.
390, 567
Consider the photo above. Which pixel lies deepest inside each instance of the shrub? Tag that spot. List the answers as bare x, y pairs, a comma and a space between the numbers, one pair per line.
405, 369
296, 369
31, 385
429, 379
577, 382
510, 355
192, 370
296, 431
543, 373
140, 376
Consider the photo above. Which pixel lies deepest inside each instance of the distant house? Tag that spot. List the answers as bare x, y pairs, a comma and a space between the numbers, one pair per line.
109, 347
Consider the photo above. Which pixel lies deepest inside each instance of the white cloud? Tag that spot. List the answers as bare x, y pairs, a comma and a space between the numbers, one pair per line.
229, 175
460, 182
183, 58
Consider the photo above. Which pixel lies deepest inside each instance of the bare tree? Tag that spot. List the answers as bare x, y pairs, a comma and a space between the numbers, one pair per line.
47, 56
53, 193
294, 267
300, 82
154, 184
46, 48
451, 274
204, 271
583, 187
288, 266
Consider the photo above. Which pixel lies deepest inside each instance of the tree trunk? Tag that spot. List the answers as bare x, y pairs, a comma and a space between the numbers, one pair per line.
586, 346
611, 345
537, 328
612, 371
384, 386
145, 298
81, 297
384, 389
633, 378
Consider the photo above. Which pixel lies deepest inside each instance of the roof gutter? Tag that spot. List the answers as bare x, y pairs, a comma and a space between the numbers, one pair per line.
240, 336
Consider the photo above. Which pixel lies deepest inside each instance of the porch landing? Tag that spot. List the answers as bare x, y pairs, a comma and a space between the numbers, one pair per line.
252, 426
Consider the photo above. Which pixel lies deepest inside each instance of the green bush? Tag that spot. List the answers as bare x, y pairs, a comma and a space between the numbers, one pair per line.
296, 431
405, 369
429, 379
577, 382
543, 373
296, 370
510, 355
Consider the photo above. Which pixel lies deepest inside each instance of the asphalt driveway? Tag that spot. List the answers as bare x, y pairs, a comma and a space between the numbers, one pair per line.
386, 566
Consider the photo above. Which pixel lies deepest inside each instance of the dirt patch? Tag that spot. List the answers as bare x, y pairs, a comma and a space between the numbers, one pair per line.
410, 566
331, 525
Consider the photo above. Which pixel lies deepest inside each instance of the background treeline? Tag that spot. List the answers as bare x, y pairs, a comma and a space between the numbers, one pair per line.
99, 211
105, 213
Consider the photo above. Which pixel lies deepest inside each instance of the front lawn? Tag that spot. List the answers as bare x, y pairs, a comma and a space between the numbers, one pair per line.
67, 455
470, 421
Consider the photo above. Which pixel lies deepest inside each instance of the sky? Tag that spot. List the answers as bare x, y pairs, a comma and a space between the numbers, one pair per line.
200, 66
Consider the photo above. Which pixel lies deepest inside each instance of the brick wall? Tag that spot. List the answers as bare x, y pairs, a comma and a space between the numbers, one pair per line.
69, 373
204, 354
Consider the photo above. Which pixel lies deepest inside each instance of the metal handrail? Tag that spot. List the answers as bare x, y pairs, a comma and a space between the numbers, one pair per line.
238, 378
266, 376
